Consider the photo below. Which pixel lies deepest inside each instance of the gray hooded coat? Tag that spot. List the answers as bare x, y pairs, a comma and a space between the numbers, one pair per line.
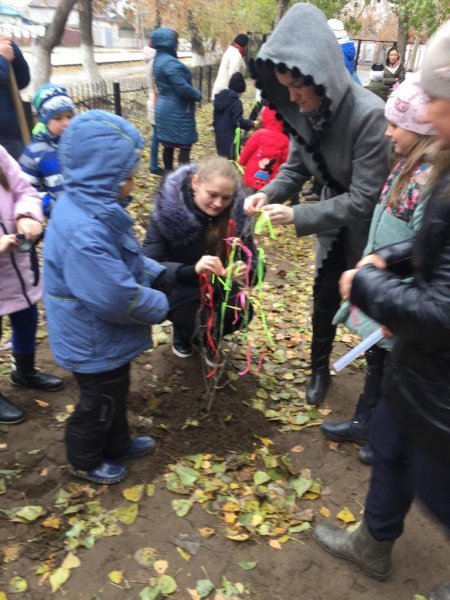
349, 155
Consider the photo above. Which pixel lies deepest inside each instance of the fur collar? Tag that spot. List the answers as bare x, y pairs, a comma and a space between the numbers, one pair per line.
174, 219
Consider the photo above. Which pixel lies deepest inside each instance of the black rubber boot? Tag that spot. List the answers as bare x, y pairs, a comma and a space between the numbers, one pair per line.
322, 341
357, 428
25, 375
9, 412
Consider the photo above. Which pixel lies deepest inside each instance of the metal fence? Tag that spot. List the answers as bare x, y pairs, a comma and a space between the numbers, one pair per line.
128, 97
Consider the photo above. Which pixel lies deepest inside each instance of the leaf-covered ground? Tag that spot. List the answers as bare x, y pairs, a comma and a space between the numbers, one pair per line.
225, 506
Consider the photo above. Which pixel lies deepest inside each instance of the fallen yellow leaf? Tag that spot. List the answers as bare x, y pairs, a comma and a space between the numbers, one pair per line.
184, 554
275, 544
10, 553
133, 494
115, 577
346, 515
161, 566
42, 403
265, 441
298, 448
52, 522
71, 561
206, 532
230, 517
58, 577
324, 511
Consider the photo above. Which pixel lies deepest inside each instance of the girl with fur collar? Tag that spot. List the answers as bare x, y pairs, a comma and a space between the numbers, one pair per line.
195, 208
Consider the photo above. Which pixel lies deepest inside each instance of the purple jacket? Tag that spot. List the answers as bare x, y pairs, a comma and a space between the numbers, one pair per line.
16, 276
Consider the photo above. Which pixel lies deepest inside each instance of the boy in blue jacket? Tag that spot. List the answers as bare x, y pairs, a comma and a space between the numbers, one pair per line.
98, 291
40, 160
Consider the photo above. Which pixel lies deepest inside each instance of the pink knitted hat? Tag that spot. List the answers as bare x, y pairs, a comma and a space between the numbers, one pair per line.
406, 107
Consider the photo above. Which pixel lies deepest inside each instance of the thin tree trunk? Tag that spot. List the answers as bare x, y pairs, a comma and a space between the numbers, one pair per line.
198, 50
42, 65
87, 42
402, 38
413, 55
281, 8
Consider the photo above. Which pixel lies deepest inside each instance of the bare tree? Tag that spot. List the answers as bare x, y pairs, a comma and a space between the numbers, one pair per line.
42, 67
87, 42
281, 8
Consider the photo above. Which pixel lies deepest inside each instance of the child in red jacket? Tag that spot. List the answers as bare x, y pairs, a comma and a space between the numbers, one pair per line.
265, 151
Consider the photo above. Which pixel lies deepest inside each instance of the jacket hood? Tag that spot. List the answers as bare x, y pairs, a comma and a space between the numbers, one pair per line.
304, 43
270, 121
98, 150
224, 99
164, 40
174, 219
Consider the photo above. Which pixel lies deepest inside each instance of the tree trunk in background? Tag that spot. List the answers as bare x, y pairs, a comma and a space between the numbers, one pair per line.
402, 38
87, 42
281, 8
198, 49
413, 56
42, 65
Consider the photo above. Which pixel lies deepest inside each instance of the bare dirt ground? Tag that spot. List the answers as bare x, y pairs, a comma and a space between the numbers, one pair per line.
299, 569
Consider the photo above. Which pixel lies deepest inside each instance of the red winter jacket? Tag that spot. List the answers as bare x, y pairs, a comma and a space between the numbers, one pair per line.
265, 151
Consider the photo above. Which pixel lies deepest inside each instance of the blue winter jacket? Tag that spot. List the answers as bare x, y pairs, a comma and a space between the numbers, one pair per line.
40, 163
10, 135
98, 298
175, 106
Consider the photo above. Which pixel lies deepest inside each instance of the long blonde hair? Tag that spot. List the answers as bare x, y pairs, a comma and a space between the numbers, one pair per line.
420, 152
208, 168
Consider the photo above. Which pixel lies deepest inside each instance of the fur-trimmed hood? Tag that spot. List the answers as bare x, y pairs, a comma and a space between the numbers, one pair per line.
176, 221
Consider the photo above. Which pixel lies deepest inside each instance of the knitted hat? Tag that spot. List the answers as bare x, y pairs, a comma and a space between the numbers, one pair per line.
376, 72
338, 28
406, 107
237, 83
241, 40
50, 100
435, 74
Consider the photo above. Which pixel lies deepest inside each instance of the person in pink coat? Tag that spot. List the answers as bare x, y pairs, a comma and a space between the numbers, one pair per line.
20, 289
265, 151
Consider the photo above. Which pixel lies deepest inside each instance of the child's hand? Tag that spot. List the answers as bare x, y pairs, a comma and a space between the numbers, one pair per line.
238, 270
210, 264
30, 228
253, 204
372, 259
7, 242
346, 282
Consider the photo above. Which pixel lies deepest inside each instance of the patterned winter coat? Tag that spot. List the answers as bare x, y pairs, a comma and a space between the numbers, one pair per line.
40, 163
265, 151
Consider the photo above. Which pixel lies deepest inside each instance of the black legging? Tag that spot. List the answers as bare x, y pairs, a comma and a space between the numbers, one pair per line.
168, 155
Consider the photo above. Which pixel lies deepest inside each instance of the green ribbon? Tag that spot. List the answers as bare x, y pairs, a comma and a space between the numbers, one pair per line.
262, 222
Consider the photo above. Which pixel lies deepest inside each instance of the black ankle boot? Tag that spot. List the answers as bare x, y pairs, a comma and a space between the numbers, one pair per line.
365, 455
354, 430
357, 428
25, 375
317, 385
321, 344
9, 412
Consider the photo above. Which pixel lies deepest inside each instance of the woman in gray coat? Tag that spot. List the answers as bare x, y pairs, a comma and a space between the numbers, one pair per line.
337, 136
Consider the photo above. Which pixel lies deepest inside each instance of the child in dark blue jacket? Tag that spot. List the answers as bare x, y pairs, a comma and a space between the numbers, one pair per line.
39, 160
228, 113
98, 291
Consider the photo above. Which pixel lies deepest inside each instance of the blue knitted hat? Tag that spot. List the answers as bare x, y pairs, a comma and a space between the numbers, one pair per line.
50, 100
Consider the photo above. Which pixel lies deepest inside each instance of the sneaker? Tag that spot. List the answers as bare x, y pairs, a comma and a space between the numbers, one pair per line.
107, 473
140, 446
182, 350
